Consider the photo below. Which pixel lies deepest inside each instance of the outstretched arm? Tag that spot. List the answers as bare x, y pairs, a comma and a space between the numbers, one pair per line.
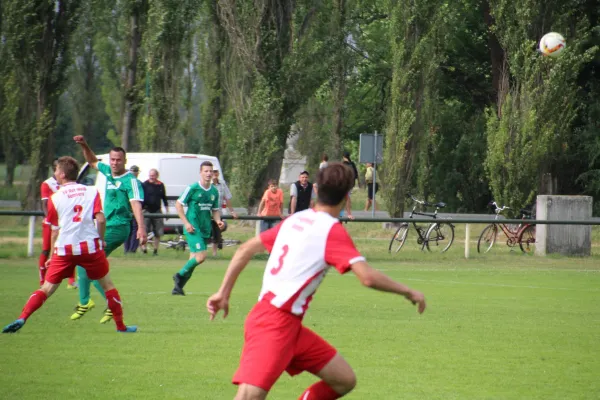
377, 280
220, 300
88, 154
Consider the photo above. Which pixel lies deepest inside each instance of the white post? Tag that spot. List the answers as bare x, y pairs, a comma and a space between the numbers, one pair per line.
31, 236
467, 240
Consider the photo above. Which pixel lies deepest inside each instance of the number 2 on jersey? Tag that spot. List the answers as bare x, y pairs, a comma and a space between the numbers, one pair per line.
275, 271
78, 210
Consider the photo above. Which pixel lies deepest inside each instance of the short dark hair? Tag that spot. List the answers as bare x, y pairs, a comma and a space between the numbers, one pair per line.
325, 157
206, 164
304, 173
334, 182
272, 182
69, 166
119, 149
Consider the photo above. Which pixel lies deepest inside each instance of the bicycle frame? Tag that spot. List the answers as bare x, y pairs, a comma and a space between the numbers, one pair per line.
422, 240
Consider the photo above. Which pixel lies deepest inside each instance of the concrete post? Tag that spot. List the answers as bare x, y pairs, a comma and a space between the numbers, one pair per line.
564, 239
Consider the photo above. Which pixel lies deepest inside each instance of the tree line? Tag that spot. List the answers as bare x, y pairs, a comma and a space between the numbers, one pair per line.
468, 108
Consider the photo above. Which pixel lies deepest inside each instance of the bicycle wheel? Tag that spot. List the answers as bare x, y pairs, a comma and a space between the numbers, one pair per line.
487, 238
440, 237
527, 239
399, 238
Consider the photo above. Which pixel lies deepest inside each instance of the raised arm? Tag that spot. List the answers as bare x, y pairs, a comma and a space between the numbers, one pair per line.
220, 300
88, 154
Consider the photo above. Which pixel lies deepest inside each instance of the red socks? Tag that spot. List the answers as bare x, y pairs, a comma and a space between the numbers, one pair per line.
114, 304
42, 266
72, 278
320, 391
35, 301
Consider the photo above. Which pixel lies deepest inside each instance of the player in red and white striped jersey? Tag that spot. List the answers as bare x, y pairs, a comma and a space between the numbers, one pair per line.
72, 210
302, 249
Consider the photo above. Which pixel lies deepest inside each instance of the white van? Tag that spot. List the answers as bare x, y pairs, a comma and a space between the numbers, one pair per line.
176, 171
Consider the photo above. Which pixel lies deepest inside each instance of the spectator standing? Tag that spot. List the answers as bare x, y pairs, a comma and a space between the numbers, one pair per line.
346, 160
369, 182
154, 194
302, 195
324, 161
271, 205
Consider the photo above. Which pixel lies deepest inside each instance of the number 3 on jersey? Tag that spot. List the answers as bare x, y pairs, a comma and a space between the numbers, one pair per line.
78, 209
275, 271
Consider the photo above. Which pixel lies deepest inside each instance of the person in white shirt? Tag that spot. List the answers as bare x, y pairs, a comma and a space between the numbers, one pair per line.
302, 248
324, 161
72, 211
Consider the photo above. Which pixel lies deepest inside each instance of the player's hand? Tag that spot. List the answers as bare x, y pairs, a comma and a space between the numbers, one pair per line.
79, 139
47, 263
189, 228
221, 225
418, 299
142, 236
215, 303
350, 217
234, 215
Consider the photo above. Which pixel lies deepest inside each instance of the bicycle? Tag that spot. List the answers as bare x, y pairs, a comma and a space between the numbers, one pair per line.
521, 234
180, 243
433, 237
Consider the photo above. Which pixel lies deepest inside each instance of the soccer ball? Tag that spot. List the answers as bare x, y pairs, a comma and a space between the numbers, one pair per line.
552, 44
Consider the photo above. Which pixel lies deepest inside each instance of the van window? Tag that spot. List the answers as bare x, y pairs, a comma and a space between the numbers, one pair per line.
180, 171
88, 176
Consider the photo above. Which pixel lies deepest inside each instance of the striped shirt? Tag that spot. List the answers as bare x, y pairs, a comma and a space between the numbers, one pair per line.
72, 209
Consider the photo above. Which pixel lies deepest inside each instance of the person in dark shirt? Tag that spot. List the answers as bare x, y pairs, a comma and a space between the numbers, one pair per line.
154, 193
346, 160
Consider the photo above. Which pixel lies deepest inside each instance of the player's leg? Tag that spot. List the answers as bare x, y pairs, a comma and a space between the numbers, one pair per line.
85, 302
46, 234
338, 379
59, 269
249, 392
158, 227
96, 266
315, 355
197, 246
269, 342
71, 283
113, 238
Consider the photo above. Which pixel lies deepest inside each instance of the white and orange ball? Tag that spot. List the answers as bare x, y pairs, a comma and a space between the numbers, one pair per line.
552, 44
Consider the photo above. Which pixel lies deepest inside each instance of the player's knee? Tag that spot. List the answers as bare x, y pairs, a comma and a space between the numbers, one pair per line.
349, 382
200, 257
249, 392
343, 380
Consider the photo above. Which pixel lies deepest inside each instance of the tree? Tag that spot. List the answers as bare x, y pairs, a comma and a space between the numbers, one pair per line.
284, 52
533, 125
37, 36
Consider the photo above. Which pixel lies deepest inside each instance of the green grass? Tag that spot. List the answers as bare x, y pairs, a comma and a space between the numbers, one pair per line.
506, 326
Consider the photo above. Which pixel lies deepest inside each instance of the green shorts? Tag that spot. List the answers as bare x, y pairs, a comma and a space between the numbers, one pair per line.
196, 243
115, 236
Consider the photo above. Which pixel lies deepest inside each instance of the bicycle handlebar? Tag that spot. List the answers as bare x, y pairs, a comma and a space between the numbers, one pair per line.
498, 209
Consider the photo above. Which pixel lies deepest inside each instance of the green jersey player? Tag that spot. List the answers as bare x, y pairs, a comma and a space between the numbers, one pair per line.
202, 201
122, 201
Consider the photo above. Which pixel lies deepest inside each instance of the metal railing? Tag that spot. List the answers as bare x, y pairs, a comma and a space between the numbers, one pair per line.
593, 221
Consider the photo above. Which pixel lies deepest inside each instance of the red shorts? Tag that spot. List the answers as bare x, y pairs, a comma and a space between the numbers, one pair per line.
275, 341
46, 235
62, 267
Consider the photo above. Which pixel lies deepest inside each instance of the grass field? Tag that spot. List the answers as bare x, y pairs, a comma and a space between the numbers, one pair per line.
499, 326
